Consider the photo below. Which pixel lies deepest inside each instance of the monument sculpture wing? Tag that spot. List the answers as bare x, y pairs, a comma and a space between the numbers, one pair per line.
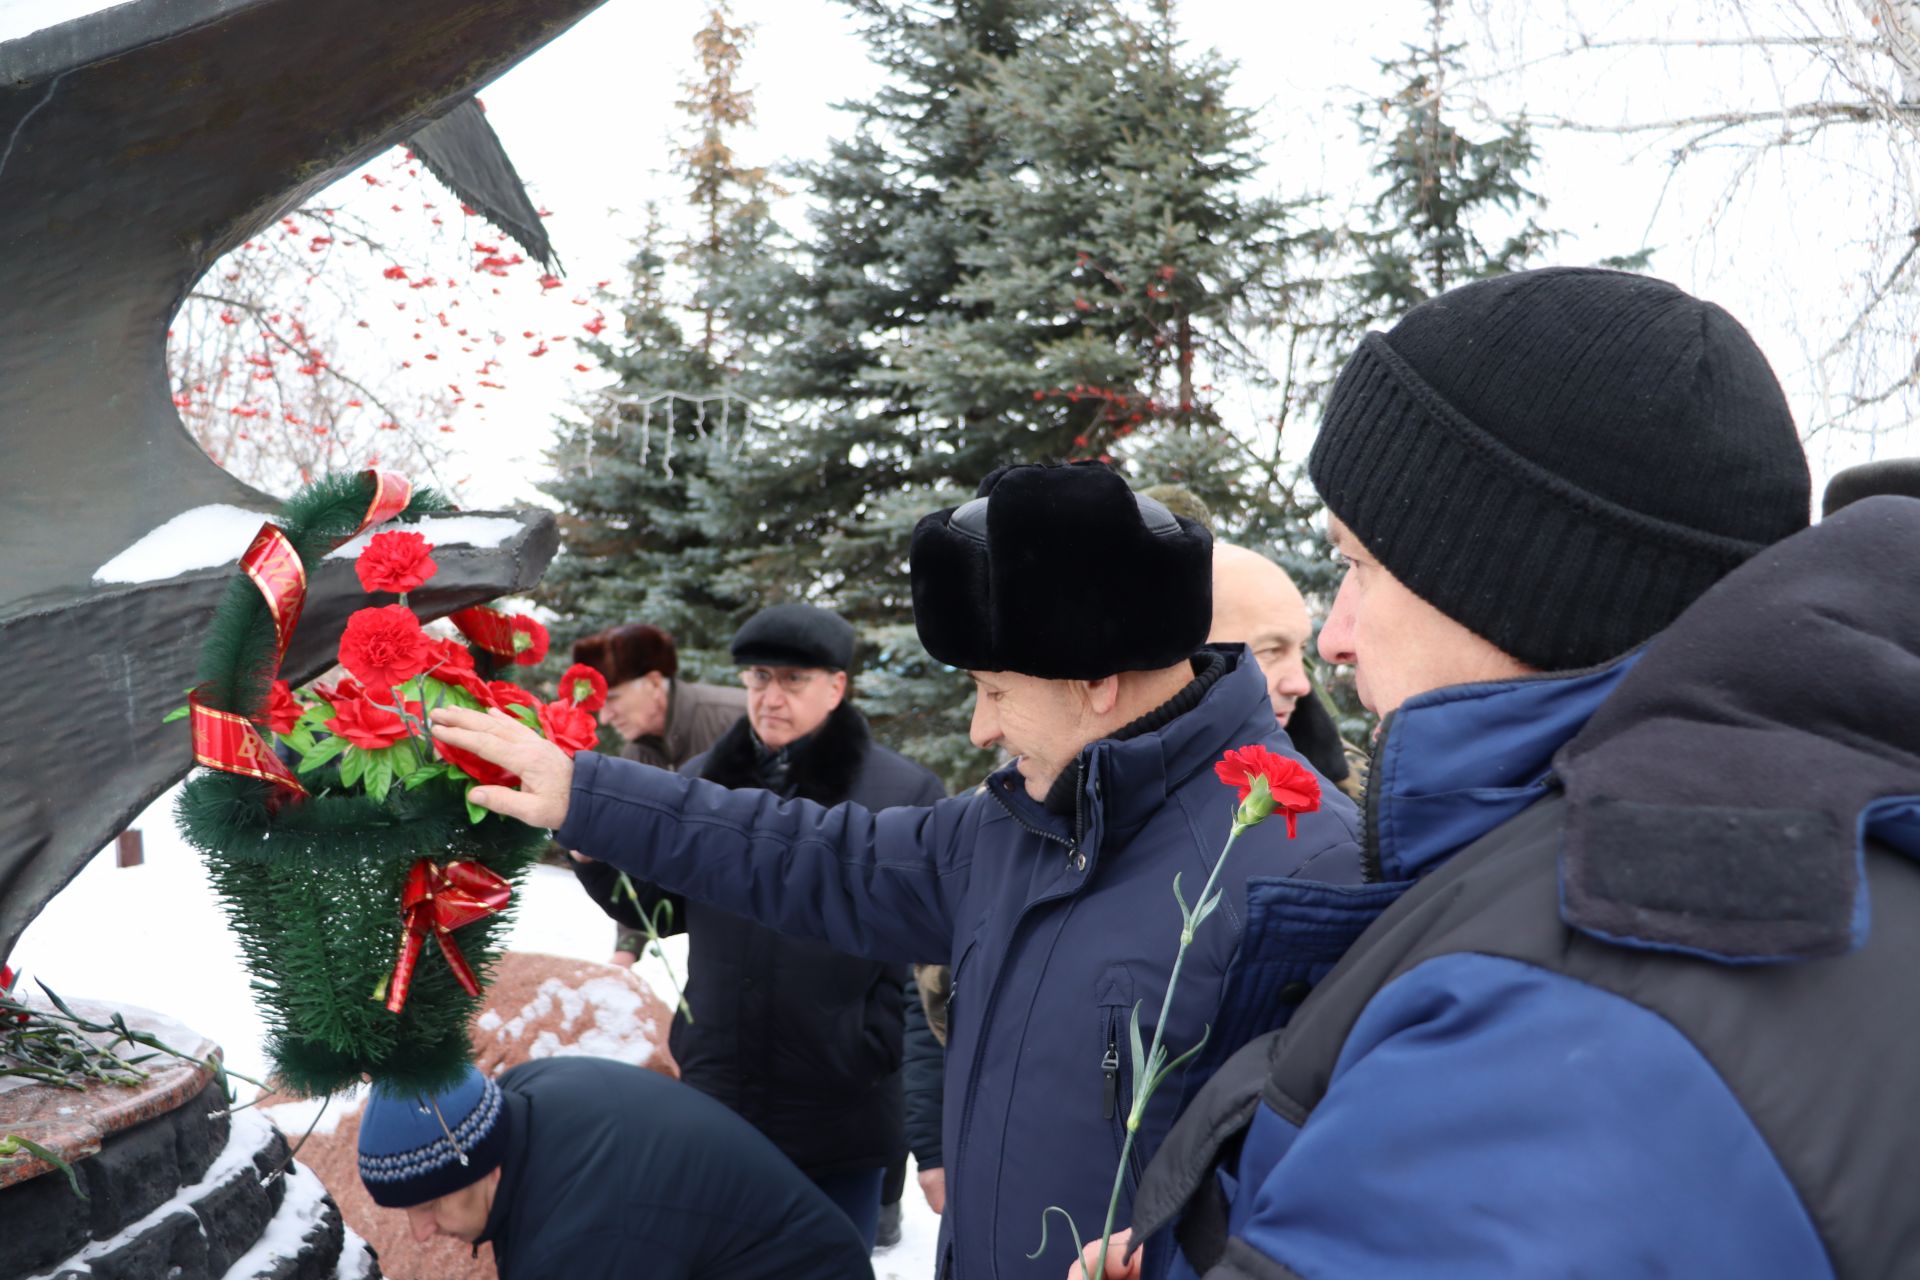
137, 145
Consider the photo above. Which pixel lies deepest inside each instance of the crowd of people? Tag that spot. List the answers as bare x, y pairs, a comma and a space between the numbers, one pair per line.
1595, 961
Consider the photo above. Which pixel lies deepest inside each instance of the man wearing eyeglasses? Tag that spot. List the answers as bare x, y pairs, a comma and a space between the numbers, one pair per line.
801, 1040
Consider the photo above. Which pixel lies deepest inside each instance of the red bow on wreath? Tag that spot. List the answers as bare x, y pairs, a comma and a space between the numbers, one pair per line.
438, 900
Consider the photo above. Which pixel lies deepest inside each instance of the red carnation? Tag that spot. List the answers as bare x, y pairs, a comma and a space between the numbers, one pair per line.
6, 989
452, 663
568, 727
584, 687
395, 561
474, 767
347, 688
529, 640
504, 694
367, 725
1290, 786
282, 712
384, 647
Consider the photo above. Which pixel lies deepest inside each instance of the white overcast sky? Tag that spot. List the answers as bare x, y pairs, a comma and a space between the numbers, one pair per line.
587, 121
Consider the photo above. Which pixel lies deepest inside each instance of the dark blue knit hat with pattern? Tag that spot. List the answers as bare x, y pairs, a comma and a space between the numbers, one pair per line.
416, 1148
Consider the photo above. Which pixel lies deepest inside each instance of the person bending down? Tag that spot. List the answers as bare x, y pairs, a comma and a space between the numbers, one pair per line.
584, 1169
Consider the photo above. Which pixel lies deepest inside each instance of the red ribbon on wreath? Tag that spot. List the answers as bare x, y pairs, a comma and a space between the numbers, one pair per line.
232, 743
438, 900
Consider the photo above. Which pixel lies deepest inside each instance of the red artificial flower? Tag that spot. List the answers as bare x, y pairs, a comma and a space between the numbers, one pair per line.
504, 694
6, 988
367, 725
474, 767
584, 687
529, 640
397, 560
348, 687
1292, 786
451, 663
568, 727
384, 647
282, 712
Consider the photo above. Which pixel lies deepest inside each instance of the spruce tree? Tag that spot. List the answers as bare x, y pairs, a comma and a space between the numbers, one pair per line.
1036, 244
637, 542
1450, 208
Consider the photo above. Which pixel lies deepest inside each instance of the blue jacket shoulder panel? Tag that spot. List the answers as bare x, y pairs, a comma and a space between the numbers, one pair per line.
1488, 1118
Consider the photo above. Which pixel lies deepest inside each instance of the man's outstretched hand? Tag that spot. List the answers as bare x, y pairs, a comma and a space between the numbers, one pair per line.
546, 772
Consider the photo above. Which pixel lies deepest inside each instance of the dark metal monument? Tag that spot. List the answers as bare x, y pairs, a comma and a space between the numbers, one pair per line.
137, 145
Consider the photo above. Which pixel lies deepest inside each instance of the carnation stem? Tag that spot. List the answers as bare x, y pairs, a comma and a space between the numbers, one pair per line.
625, 885
1143, 1090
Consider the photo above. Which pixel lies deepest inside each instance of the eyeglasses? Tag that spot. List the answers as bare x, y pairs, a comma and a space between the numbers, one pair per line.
792, 679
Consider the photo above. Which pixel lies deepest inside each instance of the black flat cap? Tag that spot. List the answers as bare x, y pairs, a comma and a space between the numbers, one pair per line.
1897, 476
794, 635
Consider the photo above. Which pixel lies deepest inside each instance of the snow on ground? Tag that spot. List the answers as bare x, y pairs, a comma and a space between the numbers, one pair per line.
155, 936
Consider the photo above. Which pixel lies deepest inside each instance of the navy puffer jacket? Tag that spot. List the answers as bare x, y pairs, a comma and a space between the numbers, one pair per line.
1059, 925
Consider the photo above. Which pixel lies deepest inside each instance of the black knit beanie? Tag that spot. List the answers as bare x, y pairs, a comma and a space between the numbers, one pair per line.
1562, 460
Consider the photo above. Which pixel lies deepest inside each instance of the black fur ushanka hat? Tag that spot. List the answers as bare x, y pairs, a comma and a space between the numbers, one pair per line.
1061, 572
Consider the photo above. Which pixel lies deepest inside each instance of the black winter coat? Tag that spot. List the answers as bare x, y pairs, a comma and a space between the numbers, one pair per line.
802, 1040
612, 1171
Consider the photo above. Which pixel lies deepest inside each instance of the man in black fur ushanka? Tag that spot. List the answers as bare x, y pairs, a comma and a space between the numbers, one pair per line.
800, 1039
1080, 609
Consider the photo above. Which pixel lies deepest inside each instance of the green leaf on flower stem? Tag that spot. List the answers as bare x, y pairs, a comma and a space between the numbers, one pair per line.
475, 813
326, 749
320, 713
1133, 1040
178, 713
353, 763
1180, 898
379, 775
424, 774
13, 1144
405, 759
1204, 907
1183, 1059
300, 738
1079, 1246
527, 715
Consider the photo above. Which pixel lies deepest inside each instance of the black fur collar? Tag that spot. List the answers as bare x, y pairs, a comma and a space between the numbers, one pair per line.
825, 763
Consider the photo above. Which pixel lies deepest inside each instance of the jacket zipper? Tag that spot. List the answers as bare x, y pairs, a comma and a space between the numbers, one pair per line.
1073, 845
1000, 973
1371, 871
1110, 1068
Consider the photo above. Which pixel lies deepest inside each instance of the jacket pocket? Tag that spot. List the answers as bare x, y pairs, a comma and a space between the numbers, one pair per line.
1114, 1001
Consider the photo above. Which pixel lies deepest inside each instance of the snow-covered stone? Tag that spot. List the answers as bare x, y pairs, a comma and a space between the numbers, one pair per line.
211, 536
201, 538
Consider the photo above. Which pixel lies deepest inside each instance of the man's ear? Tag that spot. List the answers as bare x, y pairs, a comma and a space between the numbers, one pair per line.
1102, 695
845, 684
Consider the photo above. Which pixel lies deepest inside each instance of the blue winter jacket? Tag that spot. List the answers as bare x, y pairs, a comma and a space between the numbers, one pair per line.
1056, 926
1489, 1118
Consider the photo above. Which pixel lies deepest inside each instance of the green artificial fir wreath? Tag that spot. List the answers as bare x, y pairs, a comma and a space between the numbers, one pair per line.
313, 888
